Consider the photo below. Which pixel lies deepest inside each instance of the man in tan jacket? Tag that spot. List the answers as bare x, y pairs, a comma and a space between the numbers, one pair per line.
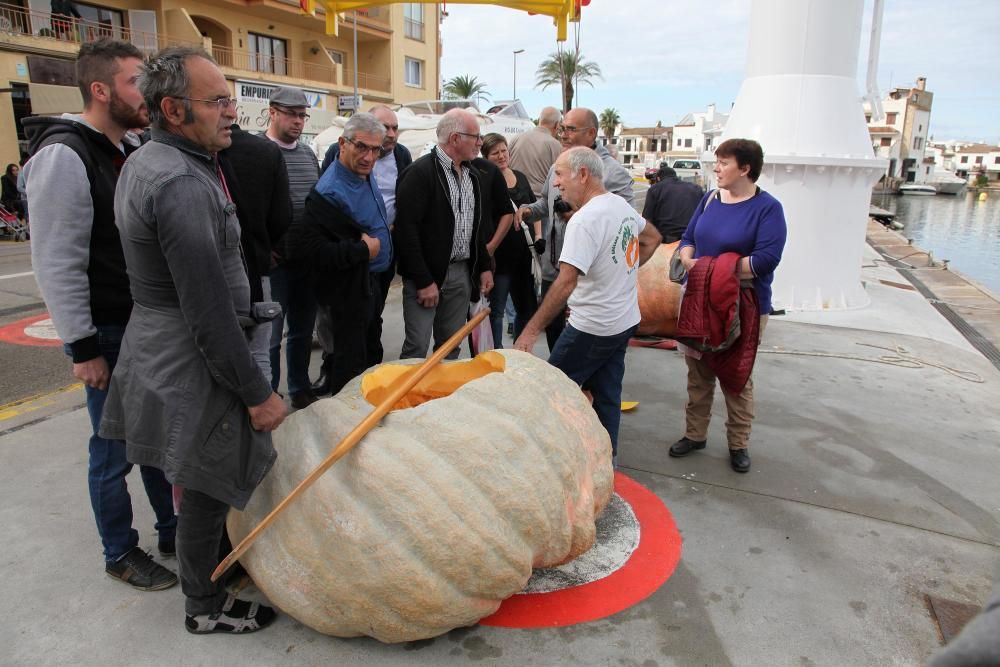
533, 153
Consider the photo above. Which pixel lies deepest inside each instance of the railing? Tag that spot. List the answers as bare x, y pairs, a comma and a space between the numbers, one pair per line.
43, 25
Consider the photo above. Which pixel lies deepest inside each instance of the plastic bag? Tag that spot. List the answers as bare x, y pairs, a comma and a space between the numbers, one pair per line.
481, 338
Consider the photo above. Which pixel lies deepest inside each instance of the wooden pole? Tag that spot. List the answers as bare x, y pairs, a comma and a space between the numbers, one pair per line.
352, 439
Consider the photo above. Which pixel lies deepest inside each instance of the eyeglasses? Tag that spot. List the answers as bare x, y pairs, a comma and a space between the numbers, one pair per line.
573, 130
221, 103
363, 147
477, 137
301, 115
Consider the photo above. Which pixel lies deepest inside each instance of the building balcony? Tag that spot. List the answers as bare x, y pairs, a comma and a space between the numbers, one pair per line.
39, 32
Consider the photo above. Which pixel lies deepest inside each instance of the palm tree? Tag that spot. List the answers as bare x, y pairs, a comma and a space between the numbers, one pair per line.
566, 69
609, 121
465, 88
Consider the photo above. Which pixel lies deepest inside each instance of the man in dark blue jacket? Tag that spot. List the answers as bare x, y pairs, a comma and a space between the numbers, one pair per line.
344, 240
394, 158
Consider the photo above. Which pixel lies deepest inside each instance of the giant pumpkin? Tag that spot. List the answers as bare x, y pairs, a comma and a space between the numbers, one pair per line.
659, 299
441, 511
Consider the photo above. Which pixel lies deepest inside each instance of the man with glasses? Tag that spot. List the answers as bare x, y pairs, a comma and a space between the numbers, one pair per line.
187, 396
440, 237
579, 128
392, 160
344, 239
291, 286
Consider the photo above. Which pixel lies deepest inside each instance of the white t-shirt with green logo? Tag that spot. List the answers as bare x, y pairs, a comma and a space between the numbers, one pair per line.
602, 241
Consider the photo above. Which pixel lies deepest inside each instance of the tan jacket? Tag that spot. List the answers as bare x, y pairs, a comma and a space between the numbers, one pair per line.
533, 153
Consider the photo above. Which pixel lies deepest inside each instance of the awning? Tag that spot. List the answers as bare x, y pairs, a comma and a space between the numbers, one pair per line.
49, 99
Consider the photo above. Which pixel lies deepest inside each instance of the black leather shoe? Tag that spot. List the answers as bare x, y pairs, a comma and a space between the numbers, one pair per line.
302, 399
685, 446
740, 460
322, 384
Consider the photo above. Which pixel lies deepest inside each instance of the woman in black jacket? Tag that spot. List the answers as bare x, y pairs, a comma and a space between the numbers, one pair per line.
512, 274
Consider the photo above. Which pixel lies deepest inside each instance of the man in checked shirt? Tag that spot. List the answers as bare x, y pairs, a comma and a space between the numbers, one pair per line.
445, 210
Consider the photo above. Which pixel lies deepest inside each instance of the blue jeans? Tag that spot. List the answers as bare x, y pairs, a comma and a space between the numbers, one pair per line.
109, 496
597, 364
293, 289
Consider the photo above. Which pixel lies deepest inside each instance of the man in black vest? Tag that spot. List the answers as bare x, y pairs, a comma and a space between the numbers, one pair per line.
77, 256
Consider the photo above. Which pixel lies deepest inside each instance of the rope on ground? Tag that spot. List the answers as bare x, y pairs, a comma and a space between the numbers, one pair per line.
899, 356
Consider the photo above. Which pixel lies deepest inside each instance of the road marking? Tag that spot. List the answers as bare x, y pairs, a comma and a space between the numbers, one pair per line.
35, 331
17, 275
28, 404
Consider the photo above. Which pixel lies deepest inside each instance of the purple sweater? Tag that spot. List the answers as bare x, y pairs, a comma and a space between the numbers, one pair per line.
754, 228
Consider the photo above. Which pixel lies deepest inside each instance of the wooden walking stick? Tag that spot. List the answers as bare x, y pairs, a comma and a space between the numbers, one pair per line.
352, 438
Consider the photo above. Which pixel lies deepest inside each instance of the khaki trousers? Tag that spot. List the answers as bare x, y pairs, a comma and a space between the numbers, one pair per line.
701, 392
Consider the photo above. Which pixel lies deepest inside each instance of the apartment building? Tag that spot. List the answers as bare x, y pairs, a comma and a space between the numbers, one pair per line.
974, 159
901, 134
698, 132
260, 44
643, 145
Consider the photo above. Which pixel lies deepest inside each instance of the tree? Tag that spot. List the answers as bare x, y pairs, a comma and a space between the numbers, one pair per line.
609, 121
566, 69
465, 88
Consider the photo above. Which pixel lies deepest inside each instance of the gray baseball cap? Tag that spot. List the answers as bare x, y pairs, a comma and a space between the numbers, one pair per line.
287, 96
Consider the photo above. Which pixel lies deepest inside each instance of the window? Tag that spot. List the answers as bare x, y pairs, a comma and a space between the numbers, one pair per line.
965, 159
917, 143
886, 141
996, 160
678, 143
979, 159
414, 72
890, 118
267, 54
868, 118
336, 56
687, 143
413, 21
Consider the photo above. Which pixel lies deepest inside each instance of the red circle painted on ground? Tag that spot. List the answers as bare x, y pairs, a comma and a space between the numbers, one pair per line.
652, 563
14, 333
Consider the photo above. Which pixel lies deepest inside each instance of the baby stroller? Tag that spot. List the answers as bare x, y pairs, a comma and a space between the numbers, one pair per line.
11, 227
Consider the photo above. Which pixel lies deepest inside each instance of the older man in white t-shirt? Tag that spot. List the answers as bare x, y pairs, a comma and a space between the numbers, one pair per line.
605, 244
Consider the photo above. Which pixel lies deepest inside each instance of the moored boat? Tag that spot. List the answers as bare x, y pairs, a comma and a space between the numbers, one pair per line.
917, 189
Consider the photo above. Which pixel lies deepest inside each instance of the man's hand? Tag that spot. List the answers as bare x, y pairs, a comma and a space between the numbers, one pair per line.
94, 373
486, 282
428, 296
374, 245
526, 341
520, 214
268, 415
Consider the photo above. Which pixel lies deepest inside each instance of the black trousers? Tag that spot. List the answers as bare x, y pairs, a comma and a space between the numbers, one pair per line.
558, 323
201, 523
357, 346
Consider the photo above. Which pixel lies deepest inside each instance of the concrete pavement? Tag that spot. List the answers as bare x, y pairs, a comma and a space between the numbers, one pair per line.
873, 484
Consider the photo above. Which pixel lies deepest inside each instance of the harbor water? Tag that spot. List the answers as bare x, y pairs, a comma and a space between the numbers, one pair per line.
960, 229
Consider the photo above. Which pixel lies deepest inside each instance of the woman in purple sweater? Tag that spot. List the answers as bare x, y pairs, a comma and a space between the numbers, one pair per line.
737, 217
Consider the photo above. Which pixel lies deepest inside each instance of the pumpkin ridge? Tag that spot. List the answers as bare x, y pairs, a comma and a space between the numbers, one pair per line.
498, 541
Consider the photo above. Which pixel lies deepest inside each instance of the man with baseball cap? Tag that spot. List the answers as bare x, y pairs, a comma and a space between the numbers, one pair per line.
290, 283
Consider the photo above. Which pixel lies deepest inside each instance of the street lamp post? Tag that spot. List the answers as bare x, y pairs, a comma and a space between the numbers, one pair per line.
515, 71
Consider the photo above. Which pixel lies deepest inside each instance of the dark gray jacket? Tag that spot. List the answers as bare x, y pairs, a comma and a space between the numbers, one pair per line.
185, 377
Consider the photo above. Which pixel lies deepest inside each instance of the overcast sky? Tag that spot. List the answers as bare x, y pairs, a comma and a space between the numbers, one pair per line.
664, 58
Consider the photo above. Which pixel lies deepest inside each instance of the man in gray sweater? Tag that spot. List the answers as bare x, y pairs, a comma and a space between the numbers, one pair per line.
77, 257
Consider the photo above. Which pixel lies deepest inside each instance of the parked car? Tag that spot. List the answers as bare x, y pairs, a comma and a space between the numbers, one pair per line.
688, 170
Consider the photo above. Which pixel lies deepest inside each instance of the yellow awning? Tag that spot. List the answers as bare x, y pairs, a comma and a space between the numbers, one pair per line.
561, 11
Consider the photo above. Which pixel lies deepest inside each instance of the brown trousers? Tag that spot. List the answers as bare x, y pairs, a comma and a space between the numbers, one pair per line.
701, 392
